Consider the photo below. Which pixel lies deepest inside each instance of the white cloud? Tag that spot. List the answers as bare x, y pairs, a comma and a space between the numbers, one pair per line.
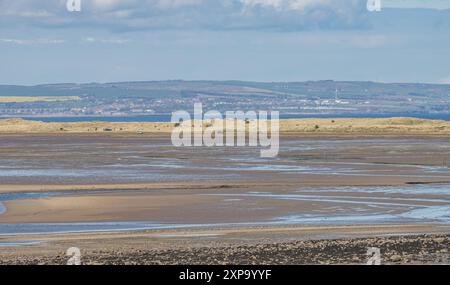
428, 4
287, 4
105, 41
126, 15
170, 4
106, 4
32, 41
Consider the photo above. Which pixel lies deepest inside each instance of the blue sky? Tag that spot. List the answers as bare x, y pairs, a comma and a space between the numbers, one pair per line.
256, 40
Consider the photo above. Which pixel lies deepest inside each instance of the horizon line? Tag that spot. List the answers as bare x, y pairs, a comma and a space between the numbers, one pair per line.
221, 81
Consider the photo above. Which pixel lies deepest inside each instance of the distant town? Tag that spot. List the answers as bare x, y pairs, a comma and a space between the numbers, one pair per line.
165, 97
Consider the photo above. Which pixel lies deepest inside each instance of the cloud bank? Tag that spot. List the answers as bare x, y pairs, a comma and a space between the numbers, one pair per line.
131, 15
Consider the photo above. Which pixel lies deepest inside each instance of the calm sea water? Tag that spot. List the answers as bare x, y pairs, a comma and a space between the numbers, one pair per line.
167, 118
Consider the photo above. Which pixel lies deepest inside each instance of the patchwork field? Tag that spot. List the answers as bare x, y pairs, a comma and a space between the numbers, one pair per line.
28, 99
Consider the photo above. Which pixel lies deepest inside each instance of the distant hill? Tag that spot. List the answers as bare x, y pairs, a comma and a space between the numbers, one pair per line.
315, 97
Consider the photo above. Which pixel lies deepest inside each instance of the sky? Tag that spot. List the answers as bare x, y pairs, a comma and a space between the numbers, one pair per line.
251, 40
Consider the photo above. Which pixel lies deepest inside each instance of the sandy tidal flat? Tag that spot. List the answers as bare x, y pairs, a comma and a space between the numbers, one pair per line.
151, 203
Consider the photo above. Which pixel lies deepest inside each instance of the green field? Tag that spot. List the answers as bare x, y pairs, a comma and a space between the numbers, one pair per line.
28, 99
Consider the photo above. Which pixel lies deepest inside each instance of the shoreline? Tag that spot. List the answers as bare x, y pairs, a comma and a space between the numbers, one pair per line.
287, 246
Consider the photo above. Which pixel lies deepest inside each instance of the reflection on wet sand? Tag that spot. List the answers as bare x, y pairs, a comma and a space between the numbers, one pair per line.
84, 160
92, 186
55, 212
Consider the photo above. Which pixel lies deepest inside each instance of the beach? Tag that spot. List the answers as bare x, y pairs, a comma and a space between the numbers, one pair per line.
123, 197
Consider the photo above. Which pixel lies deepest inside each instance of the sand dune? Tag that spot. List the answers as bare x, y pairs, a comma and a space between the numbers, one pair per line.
354, 126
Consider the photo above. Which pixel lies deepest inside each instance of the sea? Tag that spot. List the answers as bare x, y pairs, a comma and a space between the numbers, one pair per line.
167, 117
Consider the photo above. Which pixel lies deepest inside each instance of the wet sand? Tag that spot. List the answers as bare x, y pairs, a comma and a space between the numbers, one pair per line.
318, 188
234, 206
411, 244
40, 162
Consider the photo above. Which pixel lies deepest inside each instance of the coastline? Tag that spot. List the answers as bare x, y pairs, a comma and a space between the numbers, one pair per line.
398, 244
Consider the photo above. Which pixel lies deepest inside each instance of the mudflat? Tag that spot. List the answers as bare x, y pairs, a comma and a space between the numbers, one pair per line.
140, 198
